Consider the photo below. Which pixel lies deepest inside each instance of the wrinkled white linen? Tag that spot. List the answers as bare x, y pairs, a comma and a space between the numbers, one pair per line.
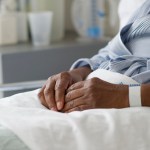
99, 129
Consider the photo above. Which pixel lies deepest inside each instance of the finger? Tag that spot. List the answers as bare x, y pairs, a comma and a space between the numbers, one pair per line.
42, 100
60, 90
74, 103
79, 108
41, 96
75, 86
41, 91
49, 94
74, 95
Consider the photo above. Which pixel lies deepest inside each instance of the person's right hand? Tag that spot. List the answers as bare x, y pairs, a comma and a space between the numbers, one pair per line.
52, 94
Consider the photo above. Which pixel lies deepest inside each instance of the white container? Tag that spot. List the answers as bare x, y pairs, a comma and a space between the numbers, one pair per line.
58, 9
8, 28
40, 26
22, 28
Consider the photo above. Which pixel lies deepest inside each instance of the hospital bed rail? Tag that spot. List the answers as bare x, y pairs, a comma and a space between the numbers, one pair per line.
28, 85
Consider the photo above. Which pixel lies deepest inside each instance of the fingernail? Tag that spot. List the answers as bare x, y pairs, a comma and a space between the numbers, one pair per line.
53, 109
59, 105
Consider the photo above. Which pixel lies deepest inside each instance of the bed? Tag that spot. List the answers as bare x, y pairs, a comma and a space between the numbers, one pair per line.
27, 125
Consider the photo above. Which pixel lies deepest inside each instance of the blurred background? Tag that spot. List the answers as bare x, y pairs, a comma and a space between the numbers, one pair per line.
39, 38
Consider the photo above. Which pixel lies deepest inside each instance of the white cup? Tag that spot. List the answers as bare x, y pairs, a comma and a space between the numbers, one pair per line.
40, 27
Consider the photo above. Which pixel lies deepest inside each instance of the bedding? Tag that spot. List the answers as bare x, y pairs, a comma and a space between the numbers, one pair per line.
9, 141
98, 129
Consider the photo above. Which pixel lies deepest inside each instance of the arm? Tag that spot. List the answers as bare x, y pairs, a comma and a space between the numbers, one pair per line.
96, 93
89, 94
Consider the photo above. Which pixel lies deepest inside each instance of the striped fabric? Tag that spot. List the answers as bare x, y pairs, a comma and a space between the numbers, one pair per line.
129, 52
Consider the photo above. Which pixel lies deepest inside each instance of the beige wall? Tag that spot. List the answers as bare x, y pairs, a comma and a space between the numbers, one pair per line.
68, 22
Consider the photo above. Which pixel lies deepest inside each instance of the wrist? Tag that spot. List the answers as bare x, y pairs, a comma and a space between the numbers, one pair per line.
81, 73
135, 95
145, 95
123, 91
118, 96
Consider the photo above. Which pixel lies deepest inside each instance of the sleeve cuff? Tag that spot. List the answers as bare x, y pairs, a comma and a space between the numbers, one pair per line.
82, 63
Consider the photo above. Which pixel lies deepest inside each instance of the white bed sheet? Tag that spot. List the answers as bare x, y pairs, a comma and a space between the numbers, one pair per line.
100, 129
42, 129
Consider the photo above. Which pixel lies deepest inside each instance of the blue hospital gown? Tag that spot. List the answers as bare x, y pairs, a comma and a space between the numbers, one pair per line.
128, 52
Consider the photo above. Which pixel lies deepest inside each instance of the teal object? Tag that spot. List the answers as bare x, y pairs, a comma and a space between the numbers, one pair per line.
9, 141
94, 32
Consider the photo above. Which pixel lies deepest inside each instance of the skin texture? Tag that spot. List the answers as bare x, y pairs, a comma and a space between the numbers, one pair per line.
52, 94
95, 93
69, 91
145, 95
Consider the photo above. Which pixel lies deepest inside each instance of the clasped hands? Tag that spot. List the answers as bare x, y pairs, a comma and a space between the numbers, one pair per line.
67, 92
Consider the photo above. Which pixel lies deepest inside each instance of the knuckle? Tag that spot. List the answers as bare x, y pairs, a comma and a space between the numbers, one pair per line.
49, 81
92, 84
94, 80
50, 78
64, 75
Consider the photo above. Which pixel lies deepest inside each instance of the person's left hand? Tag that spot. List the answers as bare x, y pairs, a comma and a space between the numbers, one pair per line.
95, 93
